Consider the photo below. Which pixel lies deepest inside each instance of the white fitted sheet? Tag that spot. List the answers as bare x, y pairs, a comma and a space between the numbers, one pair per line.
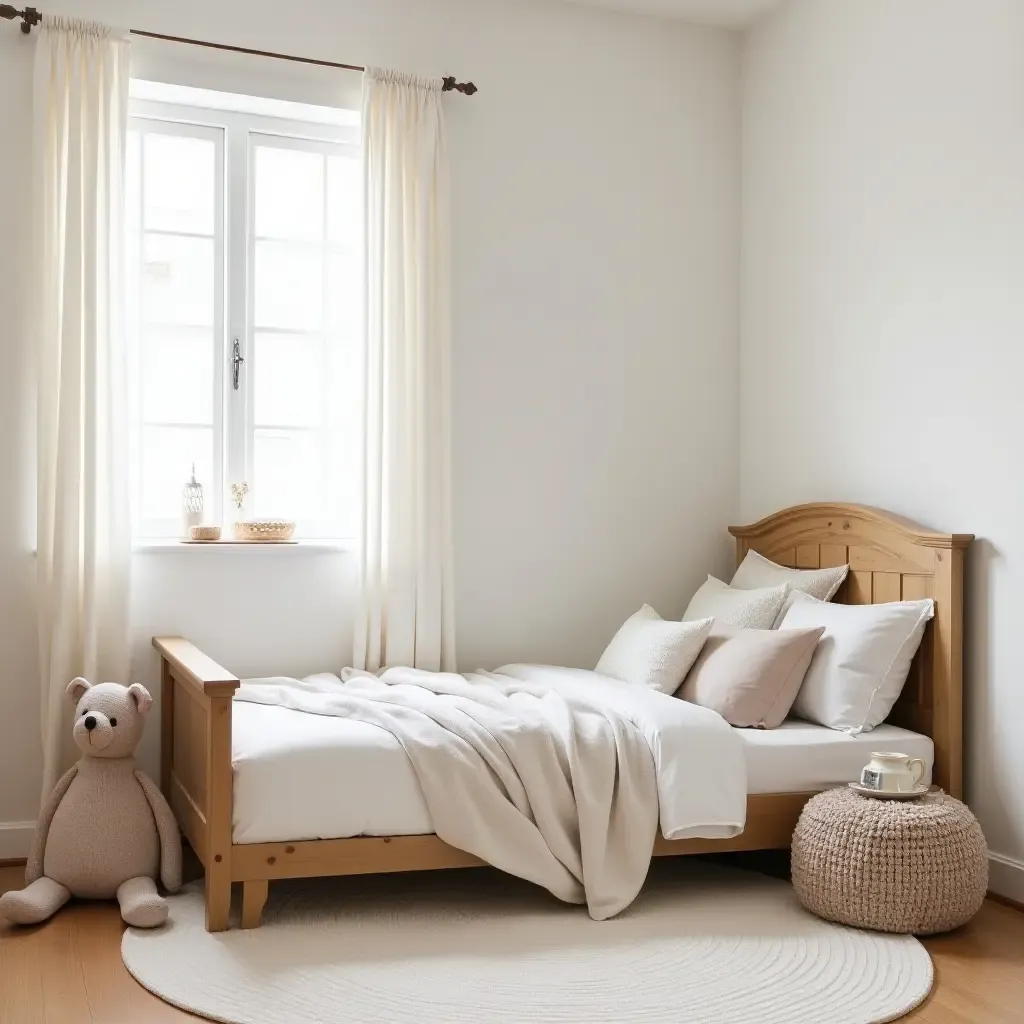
800, 755
301, 776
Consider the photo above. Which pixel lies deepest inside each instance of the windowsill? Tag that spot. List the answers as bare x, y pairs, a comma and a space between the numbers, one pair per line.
160, 546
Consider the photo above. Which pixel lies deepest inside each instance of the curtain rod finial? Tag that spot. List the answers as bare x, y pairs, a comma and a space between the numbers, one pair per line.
448, 84
29, 17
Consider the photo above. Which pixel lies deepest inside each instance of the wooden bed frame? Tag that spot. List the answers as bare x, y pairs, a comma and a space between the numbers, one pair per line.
890, 559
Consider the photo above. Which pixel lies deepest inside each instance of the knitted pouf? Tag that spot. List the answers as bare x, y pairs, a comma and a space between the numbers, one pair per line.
914, 866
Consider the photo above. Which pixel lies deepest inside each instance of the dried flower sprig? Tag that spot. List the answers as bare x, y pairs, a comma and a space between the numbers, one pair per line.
238, 493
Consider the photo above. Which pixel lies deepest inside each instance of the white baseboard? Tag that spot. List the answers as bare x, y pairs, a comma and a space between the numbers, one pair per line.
15, 839
1006, 877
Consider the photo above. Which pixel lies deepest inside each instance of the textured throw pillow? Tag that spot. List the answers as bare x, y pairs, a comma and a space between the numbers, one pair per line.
751, 676
649, 651
749, 609
861, 662
757, 571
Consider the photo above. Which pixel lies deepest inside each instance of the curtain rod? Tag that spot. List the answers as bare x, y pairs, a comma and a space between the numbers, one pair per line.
31, 17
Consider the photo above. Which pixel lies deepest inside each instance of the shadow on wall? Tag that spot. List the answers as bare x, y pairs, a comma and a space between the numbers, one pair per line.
977, 698
979, 713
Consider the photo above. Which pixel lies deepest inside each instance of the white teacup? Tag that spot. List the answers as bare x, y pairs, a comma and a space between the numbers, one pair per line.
892, 773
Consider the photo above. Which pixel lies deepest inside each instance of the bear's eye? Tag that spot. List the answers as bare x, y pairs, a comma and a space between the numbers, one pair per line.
113, 721
86, 711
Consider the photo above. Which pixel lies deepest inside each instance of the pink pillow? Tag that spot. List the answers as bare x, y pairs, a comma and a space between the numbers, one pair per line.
751, 676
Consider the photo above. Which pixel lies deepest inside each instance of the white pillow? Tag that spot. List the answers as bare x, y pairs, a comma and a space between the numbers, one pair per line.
861, 661
748, 609
649, 651
757, 571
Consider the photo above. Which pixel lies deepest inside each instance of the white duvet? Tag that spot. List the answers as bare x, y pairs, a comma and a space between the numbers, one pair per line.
558, 776
698, 758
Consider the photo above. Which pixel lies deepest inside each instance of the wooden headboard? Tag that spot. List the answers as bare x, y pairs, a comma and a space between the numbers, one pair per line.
891, 559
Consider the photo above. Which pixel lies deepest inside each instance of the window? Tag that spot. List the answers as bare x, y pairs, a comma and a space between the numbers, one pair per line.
243, 235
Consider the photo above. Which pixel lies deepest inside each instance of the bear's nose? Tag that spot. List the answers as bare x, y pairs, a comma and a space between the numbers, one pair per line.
90, 723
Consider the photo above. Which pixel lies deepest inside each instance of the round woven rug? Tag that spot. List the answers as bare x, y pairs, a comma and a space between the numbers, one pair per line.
702, 944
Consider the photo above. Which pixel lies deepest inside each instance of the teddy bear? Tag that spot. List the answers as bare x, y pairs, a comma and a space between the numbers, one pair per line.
106, 829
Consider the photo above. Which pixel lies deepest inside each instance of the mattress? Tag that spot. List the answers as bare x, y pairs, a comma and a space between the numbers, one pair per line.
800, 756
300, 776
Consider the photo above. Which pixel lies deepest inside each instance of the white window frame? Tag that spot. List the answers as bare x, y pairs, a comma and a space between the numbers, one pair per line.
148, 125
234, 248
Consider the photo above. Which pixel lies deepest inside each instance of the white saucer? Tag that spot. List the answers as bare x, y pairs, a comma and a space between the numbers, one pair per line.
910, 794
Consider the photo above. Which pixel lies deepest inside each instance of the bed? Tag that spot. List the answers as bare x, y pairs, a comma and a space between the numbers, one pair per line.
234, 774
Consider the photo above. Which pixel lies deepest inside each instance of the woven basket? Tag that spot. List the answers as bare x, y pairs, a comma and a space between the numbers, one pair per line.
204, 533
913, 867
264, 530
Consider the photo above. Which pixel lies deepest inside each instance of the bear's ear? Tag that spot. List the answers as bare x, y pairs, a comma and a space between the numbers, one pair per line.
141, 697
77, 687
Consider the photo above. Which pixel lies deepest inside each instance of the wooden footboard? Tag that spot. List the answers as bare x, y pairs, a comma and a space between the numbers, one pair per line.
195, 762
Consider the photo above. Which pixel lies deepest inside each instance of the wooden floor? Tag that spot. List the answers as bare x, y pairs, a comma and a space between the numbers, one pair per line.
69, 971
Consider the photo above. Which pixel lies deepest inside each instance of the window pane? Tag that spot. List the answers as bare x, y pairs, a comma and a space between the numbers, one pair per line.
177, 280
289, 474
289, 194
177, 375
132, 282
344, 201
289, 286
133, 180
344, 294
167, 457
179, 183
289, 385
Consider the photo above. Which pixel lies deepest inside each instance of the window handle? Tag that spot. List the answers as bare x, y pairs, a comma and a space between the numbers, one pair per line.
236, 362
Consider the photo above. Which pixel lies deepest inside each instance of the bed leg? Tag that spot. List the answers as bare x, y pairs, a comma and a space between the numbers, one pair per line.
254, 898
218, 814
218, 901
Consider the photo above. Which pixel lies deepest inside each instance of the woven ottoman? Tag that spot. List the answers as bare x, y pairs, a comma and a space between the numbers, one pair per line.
909, 866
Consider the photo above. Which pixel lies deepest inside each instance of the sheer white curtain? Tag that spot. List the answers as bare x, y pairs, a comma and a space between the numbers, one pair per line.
406, 611
84, 545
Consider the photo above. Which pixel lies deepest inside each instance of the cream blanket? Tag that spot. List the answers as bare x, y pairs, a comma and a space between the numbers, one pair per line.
540, 780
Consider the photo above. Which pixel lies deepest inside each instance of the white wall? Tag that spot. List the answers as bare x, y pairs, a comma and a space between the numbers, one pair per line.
595, 336
883, 309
